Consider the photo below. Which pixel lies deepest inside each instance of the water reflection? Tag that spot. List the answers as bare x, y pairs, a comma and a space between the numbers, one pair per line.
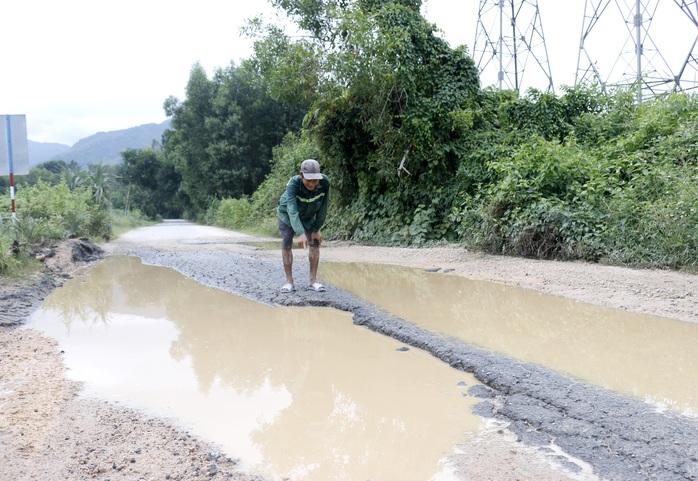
652, 358
293, 392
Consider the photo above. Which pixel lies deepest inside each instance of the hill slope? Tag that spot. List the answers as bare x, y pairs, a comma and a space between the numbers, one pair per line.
40, 152
104, 147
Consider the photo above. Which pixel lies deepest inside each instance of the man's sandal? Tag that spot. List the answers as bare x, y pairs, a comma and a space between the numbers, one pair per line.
317, 287
287, 288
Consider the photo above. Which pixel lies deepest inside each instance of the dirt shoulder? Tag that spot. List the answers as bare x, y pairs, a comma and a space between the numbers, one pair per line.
48, 432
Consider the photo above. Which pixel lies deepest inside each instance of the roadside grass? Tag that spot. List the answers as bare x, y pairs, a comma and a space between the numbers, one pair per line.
15, 264
122, 222
265, 228
23, 269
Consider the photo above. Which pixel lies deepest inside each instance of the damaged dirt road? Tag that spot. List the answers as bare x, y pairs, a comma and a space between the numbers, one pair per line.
48, 432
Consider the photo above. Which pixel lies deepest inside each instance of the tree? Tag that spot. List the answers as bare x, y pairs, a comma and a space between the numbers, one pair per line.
223, 133
50, 172
186, 143
100, 180
73, 174
152, 183
393, 104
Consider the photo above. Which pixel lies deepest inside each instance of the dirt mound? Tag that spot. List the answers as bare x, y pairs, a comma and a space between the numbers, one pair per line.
19, 298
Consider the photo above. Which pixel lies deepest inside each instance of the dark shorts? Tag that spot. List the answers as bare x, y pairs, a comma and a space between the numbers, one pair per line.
287, 235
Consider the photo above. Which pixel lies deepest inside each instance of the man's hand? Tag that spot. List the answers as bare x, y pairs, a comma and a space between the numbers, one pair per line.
302, 241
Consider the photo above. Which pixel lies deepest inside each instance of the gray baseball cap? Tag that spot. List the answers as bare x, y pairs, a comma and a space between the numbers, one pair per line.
310, 169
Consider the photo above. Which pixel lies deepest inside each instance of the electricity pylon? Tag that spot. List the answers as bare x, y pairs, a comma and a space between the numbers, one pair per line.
509, 35
640, 64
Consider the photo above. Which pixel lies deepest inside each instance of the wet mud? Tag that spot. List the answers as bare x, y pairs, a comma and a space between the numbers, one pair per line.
25, 298
622, 438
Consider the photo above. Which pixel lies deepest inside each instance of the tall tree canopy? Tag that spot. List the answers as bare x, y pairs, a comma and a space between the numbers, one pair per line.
385, 87
223, 133
152, 184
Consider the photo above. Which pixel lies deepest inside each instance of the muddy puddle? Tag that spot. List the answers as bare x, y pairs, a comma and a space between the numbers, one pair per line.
648, 357
268, 246
298, 393
276, 245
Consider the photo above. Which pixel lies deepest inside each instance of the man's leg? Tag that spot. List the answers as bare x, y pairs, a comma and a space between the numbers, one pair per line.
286, 252
287, 258
314, 257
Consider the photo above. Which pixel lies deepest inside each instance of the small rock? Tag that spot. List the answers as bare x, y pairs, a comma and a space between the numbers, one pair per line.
481, 392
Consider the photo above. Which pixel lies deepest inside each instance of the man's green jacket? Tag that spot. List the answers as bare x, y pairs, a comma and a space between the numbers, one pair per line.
302, 209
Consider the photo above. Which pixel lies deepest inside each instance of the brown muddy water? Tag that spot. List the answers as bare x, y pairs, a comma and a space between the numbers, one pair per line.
301, 393
651, 358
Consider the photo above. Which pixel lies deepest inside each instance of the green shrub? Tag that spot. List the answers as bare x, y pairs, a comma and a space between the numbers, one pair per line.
124, 221
258, 213
7, 259
61, 212
28, 231
621, 189
653, 222
13, 258
233, 213
76, 224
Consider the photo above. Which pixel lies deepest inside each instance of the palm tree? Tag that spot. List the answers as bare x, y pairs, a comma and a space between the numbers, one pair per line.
100, 180
74, 176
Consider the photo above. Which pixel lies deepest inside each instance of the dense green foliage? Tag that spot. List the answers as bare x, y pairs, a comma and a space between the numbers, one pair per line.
620, 187
47, 212
223, 134
583, 175
257, 213
150, 183
389, 93
55, 201
416, 151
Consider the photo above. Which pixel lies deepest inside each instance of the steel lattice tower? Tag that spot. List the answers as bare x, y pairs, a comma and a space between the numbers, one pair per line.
640, 64
509, 35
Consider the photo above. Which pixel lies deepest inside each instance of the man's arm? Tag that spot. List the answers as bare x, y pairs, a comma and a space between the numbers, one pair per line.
322, 213
292, 207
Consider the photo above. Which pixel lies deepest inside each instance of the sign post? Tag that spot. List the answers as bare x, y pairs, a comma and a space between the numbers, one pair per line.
14, 150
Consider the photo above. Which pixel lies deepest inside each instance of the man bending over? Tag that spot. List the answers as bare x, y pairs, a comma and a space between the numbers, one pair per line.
302, 211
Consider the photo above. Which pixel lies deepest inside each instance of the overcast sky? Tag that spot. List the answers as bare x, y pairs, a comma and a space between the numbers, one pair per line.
78, 67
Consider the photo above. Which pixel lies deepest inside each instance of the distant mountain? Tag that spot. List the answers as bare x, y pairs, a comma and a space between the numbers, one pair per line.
40, 152
104, 147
